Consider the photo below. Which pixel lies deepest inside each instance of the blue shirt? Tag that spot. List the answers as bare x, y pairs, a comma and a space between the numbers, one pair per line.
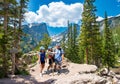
58, 54
42, 56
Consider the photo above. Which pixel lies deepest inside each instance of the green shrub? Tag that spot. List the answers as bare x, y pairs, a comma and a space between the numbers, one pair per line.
34, 59
22, 72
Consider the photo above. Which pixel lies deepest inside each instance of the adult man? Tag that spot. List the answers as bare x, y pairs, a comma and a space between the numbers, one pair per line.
59, 55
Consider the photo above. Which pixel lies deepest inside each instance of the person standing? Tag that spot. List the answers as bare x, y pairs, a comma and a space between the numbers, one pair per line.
59, 56
41, 59
50, 58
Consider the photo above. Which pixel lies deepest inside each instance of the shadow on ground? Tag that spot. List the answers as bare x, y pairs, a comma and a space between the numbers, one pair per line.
24, 80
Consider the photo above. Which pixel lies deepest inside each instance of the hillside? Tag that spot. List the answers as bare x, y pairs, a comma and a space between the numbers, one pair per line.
34, 33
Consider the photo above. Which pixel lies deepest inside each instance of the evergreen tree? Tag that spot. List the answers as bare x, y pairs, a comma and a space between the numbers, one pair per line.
46, 41
9, 12
89, 34
63, 43
22, 9
6, 13
108, 45
72, 46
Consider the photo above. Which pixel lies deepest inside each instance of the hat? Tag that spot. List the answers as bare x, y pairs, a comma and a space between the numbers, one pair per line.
42, 48
49, 47
58, 44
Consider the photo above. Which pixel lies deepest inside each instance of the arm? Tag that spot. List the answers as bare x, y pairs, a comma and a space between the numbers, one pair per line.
62, 55
45, 58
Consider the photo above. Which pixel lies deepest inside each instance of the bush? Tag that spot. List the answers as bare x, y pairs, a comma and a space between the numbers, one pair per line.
2, 74
22, 72
34, 59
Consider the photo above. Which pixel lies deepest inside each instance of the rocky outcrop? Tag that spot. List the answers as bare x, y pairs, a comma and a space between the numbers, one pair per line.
87, 74
33, 34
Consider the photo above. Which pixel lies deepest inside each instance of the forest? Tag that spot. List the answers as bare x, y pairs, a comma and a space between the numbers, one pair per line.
90, 46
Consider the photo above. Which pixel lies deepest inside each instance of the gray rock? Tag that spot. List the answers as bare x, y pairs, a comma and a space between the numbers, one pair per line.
103, 72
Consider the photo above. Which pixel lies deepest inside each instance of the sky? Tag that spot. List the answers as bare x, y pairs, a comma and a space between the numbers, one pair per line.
111, 6
56, 13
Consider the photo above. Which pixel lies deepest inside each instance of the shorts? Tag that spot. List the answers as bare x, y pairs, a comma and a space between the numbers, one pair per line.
51, 61
42, 62
58, 62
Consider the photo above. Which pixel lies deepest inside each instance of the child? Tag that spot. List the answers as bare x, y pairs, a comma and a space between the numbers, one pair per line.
41, 59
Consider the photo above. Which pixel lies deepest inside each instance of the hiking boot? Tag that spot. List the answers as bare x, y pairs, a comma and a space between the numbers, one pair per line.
47, 72
55, 70
58, 72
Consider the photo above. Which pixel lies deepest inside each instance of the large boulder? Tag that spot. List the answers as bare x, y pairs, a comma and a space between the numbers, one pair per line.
82, 68
82, 79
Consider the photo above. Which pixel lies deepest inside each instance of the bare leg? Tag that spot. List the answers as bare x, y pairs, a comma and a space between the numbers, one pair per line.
55, 66
41, 68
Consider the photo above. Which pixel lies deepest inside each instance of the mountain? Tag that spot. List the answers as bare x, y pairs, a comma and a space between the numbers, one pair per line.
58, 38
34, 33
114, 23
55, 30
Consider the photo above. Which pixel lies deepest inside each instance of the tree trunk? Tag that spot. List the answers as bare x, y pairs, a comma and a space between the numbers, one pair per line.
86, 55
5, 32
5, 16
13, 63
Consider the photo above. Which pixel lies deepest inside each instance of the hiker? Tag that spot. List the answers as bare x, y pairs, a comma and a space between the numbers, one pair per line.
50, 57
42, 59
59, 55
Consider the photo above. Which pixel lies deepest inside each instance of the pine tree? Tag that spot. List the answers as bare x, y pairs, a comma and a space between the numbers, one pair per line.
89, 34
6, 13
9, 12
63, 43
72, 46
46, 41
108, 45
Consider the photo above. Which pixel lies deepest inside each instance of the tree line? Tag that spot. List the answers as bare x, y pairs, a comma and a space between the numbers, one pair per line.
92, 45
11, 18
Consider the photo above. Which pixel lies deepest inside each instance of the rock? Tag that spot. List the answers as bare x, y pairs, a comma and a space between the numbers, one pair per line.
81, 79
111, 73
104, 72
101, 81
83, 68
12, 76
115, 80
118, 77
116, 70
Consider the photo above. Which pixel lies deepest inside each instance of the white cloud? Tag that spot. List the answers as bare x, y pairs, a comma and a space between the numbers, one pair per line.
30, 17
56, 14
118, 1
99, 18
110, 16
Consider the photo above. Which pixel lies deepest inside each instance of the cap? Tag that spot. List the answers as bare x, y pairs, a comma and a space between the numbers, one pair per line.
49, 47
42, 48
58, 44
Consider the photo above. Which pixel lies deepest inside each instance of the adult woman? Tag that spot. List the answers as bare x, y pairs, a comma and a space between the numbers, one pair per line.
50, 58
41, 59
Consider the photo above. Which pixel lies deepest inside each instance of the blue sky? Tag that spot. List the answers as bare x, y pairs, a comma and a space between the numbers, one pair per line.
56, 13
111, 6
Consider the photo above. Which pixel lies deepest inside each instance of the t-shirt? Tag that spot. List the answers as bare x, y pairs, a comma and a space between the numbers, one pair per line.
58, 54
42, 56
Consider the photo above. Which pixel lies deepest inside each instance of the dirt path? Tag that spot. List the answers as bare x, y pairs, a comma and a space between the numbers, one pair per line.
34, 77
